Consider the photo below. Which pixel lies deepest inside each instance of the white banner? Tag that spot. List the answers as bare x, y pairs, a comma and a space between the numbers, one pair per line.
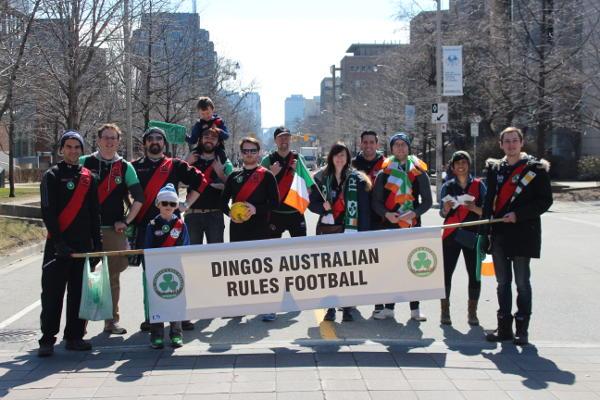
453, 70
410, 114
292, 274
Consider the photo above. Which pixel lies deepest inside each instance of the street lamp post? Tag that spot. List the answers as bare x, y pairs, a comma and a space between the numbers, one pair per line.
438, 77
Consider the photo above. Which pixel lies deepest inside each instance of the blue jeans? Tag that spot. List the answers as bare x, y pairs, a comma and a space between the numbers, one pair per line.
211, 224
504, 267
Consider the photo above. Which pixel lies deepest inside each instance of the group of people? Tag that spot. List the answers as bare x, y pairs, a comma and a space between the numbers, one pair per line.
84, 201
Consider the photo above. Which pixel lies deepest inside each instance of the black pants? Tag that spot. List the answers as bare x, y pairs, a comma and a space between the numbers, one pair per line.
210, 224
452, 251
292, 222
253, 229
59, 274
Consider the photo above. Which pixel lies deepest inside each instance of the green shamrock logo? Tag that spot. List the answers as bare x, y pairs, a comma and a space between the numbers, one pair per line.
168, 283
422, 261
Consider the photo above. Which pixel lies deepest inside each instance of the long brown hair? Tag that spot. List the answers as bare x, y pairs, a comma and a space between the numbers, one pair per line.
336, 149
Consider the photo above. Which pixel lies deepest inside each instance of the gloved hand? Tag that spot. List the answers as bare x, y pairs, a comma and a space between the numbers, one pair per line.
62, 250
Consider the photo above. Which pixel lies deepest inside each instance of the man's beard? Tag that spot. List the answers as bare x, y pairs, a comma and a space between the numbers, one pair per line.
205, 149
155, 149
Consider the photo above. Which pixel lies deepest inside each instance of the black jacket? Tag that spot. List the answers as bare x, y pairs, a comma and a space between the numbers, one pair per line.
523, 238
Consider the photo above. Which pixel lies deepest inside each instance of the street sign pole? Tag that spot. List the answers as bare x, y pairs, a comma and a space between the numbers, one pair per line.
438, 77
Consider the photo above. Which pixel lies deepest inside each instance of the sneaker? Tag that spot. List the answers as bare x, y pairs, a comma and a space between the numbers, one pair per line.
114, 329
417, 315
383, 314
45, 350
145, 326
157, 343
269, 317
347, 315
176, 341
330, 315
187, 325
78, 345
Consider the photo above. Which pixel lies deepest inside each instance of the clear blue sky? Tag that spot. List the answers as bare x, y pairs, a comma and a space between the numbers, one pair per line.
286, 46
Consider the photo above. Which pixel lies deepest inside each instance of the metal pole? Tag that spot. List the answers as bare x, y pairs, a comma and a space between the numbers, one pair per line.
475, 156
127, 77
438, 76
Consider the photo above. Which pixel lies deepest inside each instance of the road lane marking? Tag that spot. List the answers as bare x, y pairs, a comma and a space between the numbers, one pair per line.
326, 328
580, 221
20, 314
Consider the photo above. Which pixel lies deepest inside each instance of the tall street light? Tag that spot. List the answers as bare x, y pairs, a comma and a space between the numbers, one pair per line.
438, 75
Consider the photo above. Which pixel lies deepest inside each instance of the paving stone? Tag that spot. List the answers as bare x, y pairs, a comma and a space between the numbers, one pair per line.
475, 384
428, 374
72, 393
393, 395
162, 397
485, 395
300, 395
576, 395
355, 395
208, 378
302, 385
31, 394
253, 387
431, 384
116, 391
81, 382
343, 384
468, 373
399, 384
295, 360
252, 376
297, 375
163, 390
155, 380
527, 384
212, 396
253, 396
531, 395
215, 387
381, 373
436, 395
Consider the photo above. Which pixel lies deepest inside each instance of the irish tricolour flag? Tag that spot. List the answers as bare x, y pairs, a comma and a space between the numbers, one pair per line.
298, 195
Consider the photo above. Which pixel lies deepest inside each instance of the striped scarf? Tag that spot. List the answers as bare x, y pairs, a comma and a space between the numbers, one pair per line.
400, 179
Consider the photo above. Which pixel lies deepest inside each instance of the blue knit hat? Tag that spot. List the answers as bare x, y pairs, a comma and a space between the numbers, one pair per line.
71, 135
167, 193
399, 136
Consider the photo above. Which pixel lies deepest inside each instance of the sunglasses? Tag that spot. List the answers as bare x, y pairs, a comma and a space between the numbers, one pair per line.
168, 204
249, 151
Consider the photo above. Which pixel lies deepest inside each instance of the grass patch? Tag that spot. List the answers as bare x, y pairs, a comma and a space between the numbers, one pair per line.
18, 233
20, 192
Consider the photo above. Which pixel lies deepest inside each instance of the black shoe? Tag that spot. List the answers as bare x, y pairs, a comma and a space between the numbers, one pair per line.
347, 315
187, 325
330, 315
78, 345
504, 331
521, 340
145, 326
521, 328
45, 350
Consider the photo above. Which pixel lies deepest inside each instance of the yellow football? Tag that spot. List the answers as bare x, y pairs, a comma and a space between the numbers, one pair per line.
239, 212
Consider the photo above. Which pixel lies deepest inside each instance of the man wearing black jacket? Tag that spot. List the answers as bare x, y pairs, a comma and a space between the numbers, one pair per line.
70, 212
519, 192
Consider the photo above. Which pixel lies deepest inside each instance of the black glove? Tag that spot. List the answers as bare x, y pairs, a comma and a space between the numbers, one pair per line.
62, 250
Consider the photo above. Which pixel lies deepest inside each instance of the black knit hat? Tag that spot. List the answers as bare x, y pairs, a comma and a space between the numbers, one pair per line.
71, 135
460, 155
152, 130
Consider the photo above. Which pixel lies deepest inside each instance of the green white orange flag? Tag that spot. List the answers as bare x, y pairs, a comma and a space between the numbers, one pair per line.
297, 197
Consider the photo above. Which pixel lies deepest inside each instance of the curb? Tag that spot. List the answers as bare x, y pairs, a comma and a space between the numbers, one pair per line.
22, 253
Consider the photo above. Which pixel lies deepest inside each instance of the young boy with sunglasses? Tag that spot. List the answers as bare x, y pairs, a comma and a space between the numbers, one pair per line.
166, 230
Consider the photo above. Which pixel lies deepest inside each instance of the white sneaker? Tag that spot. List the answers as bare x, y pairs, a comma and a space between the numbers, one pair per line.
383, 314
417, 315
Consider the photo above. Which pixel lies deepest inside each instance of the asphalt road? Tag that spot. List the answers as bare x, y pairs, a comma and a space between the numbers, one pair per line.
565, 286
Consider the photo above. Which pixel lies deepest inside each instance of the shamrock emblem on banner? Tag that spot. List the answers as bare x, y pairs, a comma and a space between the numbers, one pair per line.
168, 283
422, 261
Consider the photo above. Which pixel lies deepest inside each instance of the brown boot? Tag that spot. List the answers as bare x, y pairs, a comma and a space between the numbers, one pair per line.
472, 313
445, 316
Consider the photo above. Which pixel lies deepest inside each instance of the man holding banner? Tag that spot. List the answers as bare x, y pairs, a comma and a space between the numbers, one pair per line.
70, 212
117, 180
253, 190
519, 192
401, 194
154, 171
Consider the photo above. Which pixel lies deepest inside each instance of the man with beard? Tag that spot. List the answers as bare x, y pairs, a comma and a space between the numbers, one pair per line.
154, 171
205, 217
117, 180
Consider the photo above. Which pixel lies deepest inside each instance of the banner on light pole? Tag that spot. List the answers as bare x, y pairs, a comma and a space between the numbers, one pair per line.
453, 70
410, 113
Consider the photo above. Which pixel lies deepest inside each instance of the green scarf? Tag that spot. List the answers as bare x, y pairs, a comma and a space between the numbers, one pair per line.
350, 186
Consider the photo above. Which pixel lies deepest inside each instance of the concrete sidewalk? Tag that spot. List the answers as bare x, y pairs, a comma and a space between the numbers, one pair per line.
309, 370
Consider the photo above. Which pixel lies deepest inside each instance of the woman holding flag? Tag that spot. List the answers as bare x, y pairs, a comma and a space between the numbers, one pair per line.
342, 201
462, 199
